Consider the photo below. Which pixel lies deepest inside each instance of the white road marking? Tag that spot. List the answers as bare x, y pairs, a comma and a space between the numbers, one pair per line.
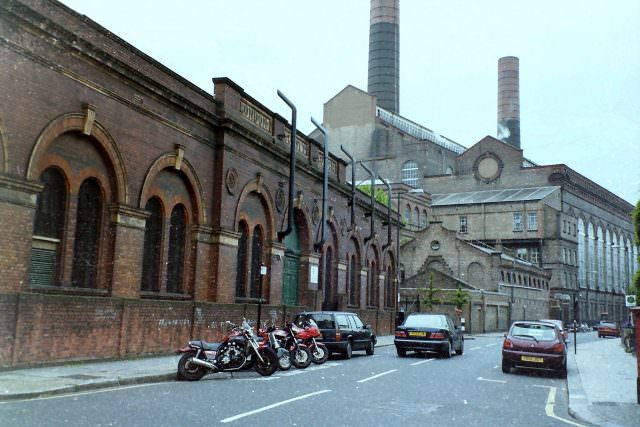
465, 401
421, 362
475, 348
551, 401
490, 345
495, 367
378, 375
275, 405
492, 381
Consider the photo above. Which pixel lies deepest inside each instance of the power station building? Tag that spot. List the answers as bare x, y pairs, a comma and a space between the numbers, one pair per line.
576, 232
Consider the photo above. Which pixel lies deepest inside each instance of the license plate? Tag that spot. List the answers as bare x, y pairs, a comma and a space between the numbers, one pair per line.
417, 334
532, 359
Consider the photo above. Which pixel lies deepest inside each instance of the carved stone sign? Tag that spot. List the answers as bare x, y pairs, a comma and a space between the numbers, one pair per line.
255, 116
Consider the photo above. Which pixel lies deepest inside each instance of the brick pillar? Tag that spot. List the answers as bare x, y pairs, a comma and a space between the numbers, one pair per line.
343, 298
224, 257
128, 225
363, 288
202, 243
18, 201
308, 291
275, 278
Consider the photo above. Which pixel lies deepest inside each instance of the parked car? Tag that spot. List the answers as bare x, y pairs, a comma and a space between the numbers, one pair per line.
534, 345
560, 326
342, 332
427, 332
608, 329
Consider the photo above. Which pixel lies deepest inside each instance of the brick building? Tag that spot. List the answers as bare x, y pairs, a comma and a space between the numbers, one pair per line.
137, 209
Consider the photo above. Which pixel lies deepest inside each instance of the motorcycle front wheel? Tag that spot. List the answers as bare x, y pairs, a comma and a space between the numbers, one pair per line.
190, 371
301, 357
319, 353
269, 363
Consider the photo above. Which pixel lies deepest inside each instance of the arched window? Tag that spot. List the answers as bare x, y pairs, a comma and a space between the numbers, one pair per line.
48, 229
177, 242
373, 284
416, 217
410, 173
388, 287
241, 261
353, 277
88, 221
49, 219
423, 219
152, 247
256, 261
407, 215
327, 279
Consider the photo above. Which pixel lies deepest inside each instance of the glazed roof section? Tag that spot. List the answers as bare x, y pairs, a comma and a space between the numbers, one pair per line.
492, 196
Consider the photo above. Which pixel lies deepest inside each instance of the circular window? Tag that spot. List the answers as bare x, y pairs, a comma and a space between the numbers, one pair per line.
487, 167
435, 245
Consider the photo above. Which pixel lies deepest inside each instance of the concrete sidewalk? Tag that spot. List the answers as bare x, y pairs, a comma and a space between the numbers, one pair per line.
602, 383
601, 379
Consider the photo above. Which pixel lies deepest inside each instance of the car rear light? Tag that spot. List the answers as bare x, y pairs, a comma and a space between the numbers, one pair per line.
401, 334
437, 335
558, 348
338, 336
507, 344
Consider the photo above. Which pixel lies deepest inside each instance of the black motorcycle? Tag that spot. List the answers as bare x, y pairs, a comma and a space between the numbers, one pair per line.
238, 350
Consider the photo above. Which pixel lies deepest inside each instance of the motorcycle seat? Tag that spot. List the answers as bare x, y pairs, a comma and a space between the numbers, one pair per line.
207, 345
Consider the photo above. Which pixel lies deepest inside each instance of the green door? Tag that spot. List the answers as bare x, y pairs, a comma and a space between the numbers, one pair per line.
291, 268
290, 288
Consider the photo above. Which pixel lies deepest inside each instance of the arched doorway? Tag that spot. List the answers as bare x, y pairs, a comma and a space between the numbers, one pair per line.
291, 266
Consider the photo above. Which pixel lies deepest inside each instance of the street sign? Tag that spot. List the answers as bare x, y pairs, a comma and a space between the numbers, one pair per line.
630, 301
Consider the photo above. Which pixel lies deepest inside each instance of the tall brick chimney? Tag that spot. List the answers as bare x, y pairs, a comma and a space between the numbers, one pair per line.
509, 100
384, 54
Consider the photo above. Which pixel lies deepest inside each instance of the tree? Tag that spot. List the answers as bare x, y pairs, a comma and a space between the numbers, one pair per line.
460, 298
430, 294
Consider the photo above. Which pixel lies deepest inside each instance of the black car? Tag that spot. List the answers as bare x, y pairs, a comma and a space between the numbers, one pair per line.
428, 332
342, 332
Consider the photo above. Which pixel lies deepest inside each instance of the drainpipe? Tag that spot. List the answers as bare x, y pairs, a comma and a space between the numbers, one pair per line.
353, 188
373, 182
292, 167
388, 244
325, 183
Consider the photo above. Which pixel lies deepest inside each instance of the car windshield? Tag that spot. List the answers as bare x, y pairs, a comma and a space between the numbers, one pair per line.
533, 330
425, 321
324, 321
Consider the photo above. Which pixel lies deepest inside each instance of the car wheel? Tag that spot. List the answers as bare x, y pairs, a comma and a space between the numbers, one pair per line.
461, 349
370, 348
449, 350
562, 373
506, 367
401, 352
348, 351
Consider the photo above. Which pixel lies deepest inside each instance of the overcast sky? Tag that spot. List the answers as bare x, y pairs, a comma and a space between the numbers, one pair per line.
579, 65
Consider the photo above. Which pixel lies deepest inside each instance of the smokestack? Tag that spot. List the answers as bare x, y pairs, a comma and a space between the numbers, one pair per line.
384, 54
509, 100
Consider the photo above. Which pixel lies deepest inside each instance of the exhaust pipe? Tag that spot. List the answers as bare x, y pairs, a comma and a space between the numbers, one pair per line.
203, 363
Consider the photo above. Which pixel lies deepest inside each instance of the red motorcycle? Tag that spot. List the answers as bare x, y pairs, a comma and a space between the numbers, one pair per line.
308, 331
239, 349
299, 355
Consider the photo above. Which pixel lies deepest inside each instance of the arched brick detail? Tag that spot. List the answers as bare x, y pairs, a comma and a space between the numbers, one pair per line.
72, 122
266, 198
168, 161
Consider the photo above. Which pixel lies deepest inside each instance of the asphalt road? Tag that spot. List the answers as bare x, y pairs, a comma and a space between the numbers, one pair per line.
420, 390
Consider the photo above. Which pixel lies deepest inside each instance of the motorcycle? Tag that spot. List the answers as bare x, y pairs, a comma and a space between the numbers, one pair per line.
239, 348
299, 354
308, 332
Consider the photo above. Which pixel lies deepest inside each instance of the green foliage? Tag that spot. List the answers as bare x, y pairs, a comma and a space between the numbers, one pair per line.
381, 195
429, 295
460, 298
